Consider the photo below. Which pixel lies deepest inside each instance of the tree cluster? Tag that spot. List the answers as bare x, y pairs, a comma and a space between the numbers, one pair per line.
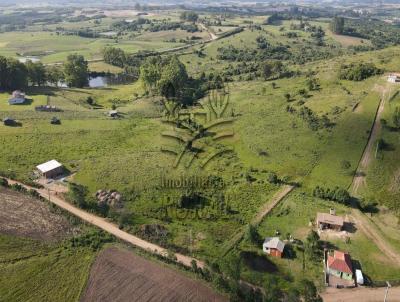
358, 71
336, 194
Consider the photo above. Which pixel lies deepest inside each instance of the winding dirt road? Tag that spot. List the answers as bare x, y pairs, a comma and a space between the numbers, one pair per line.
109, 227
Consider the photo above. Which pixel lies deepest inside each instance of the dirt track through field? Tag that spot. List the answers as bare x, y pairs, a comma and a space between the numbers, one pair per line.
109, 227
267, 208
119, 275
359, 178
362, 221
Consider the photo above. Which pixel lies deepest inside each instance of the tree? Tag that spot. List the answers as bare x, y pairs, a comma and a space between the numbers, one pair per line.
251, 234
77, 194
337, 25
173, 79
396, 117
36, 73
13, 74
54, 75
76, 71
309, 291
312, 244
345, 164
189, 16
114, 56
272, 289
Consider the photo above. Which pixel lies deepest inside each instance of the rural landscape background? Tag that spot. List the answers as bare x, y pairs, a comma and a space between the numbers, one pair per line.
190, 132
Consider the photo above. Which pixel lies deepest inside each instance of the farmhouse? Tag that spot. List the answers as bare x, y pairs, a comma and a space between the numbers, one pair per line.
339, 265
329, 221
9, 121
394, 78
273, 246
17, 98
50, 169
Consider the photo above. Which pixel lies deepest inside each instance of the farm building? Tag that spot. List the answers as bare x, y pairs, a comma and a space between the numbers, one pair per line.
273, 246
9, 121
329, 221
394, 78
50, 169
339, 265
17, 98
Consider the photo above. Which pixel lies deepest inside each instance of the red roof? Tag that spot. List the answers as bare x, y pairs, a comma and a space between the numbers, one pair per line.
341, 262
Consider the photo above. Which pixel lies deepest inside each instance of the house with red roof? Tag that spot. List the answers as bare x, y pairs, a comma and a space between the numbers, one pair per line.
339, 265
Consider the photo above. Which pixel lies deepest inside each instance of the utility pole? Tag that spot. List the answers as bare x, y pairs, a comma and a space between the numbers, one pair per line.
387, 290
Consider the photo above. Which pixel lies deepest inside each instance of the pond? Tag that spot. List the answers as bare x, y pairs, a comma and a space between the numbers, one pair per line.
33, 59
109, 80
104, 81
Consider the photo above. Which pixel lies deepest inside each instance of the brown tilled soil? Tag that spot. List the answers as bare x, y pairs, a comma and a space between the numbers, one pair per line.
120, 275
21, 215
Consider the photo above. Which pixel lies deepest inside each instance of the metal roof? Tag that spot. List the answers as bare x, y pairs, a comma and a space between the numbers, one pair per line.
49, 166
331, 219
274, 243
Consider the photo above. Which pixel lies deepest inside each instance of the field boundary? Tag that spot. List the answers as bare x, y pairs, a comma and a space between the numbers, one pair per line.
266, 209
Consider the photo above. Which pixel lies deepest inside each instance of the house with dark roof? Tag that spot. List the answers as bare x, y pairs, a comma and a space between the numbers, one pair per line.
273, 246
339, 265
17, 98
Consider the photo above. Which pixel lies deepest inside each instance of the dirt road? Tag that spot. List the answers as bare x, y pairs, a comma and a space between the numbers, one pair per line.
363, 294
359, 178
272, 203
269, 205
362, 221
109, 227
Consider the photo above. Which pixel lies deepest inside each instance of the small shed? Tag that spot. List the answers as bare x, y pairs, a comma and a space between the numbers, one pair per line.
8, 121
273, 246
329, 221
17, 98
51, 169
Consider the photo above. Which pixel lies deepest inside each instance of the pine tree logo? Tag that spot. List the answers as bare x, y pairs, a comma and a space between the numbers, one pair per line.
197, 132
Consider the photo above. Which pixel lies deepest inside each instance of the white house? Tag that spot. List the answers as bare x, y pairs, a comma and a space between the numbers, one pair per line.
50, 169
17, 98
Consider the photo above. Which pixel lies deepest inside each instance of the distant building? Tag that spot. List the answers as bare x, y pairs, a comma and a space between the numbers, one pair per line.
9, 121
273, 246
394, 78
339, 265
55, 121
329, 221
50, 169
113, 113
17, 98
